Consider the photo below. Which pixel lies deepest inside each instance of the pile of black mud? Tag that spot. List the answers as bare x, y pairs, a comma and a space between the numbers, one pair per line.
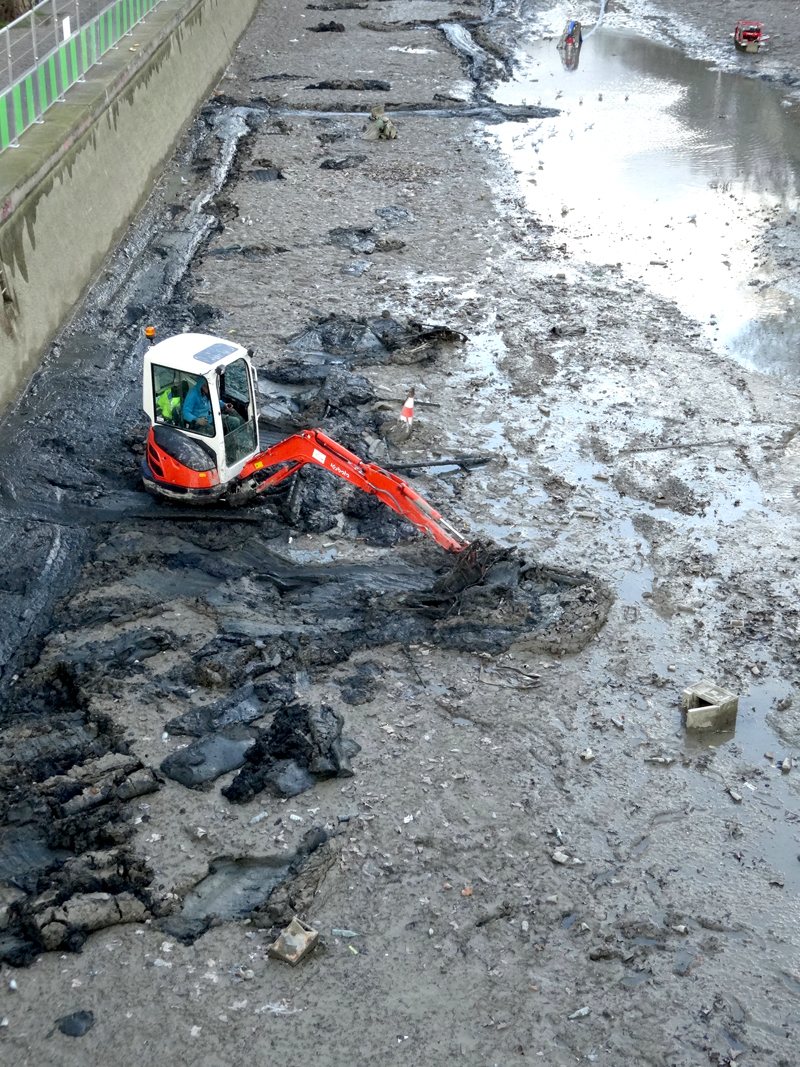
303, 745
66, 782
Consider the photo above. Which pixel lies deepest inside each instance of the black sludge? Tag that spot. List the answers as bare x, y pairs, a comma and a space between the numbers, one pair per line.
302, 745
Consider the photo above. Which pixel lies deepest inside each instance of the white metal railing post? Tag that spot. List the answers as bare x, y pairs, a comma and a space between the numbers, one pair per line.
61, 98
14, 143
78, 31
38, 110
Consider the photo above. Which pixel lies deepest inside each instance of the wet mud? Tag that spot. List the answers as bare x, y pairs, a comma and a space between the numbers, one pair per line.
471, 775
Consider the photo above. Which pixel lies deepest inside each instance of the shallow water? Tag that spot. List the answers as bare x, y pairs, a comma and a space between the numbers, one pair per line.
670, 169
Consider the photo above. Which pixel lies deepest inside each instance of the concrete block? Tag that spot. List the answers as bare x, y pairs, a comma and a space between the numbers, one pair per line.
709, 707
296, 941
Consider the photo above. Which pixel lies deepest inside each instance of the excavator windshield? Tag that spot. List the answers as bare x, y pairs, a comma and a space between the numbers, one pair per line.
170, 390
235, 388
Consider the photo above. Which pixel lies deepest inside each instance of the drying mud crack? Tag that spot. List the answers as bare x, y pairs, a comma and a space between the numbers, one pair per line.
468, 773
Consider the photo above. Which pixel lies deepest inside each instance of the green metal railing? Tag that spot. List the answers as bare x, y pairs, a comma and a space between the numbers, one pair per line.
50, 48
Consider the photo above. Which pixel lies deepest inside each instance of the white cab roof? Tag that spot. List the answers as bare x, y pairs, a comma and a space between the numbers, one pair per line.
194, 352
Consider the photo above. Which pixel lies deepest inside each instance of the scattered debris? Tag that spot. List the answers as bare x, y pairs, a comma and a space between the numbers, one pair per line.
327, 27
587, 755
580, 1013
294, 943
342, 163
509, 677
735, 797
358, 86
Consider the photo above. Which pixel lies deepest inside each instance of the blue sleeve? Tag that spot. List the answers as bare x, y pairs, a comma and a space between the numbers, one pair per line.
190, 405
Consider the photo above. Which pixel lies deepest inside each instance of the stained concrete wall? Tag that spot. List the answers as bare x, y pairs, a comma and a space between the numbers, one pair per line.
69, 191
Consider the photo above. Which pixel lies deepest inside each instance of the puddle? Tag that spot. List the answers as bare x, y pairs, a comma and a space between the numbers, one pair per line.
670, 169
234, 887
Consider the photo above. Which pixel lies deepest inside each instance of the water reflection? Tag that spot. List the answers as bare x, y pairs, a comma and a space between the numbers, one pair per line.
667, 167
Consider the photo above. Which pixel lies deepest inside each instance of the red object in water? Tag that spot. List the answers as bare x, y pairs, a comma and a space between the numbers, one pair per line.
749, 35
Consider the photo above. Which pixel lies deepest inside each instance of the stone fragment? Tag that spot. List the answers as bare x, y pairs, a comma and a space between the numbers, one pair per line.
52, 935
138, 784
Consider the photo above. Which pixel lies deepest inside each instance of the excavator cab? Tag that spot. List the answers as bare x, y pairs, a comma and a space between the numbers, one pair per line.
199, 393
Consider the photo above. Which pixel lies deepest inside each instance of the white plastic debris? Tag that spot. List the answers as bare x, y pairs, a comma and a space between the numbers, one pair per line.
587, 755
560, 857
408, 819
580, 1013
258, 818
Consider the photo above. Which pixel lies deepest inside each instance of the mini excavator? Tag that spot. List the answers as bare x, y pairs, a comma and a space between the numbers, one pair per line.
200, 394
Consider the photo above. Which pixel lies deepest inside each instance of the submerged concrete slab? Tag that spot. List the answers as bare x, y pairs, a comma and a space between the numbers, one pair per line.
709, 707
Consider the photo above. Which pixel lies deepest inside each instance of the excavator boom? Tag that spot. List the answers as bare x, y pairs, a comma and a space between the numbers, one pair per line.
312, 446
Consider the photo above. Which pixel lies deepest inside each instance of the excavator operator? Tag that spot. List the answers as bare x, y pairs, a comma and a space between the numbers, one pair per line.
197, 411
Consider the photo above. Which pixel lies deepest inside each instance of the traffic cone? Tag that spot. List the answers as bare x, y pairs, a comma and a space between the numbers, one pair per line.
399, 431
407, 414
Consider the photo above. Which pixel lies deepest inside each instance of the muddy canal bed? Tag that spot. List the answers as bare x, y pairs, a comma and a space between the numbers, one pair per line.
481, 793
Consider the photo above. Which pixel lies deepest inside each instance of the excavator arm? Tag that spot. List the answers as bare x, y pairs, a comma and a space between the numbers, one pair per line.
312, 446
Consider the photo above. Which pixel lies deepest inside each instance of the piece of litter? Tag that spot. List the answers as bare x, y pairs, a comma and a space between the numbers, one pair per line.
560, 857
276, 1007
336, 932
353, 950
408, 819
294, 943
579, 1014
587, 755
735, 797
466, 891
258, 818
